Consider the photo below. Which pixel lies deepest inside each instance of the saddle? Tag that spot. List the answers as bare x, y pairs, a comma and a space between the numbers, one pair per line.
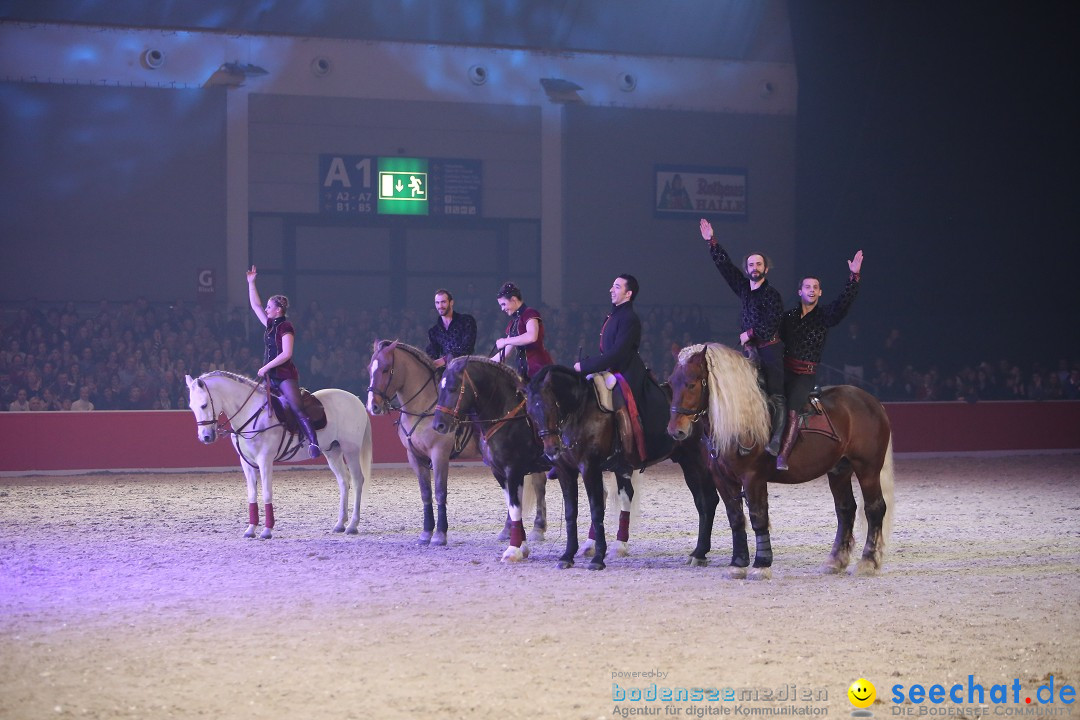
627, 418
816, 419
310, 404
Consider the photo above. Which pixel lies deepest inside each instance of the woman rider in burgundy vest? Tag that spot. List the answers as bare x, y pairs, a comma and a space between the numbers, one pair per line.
278, 366
525, 331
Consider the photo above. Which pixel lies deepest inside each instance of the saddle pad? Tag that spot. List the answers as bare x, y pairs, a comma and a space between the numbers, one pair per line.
603, 384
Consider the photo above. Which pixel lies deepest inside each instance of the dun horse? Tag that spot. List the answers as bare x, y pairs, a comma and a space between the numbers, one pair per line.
718, 386
403, 378
260, 439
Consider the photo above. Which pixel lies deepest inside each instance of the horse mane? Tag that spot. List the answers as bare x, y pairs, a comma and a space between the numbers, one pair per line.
567, 384
242, 379
420, 355
511, 375
737, 406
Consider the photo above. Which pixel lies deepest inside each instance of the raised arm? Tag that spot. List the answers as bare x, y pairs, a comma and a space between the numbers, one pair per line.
835, 311
732, 274
253, 296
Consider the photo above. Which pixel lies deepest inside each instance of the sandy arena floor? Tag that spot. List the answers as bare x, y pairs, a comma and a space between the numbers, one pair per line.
134, 596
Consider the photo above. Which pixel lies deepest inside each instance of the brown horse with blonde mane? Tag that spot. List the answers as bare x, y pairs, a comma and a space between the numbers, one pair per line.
718, 387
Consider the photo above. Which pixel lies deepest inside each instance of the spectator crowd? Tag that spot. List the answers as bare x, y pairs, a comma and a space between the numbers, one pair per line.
133, 355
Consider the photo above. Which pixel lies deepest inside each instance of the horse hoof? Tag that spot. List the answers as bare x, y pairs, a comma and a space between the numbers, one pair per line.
503, 536
250, 533
424, 539
621, 549
514, 554
734, 572
566, 564
832, 567
588, 549
338, 528
266, 534
866, 568
763, 573
596, 564
536, 535
351, 530
438, 538
697, 562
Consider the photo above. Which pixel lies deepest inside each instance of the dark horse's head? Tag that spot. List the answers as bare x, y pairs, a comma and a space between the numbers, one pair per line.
457, 396
556, 394
689, 395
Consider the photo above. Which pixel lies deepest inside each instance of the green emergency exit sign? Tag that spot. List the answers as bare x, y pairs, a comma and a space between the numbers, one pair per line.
403, 186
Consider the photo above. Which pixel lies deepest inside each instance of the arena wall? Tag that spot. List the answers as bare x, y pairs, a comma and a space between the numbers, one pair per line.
65, 442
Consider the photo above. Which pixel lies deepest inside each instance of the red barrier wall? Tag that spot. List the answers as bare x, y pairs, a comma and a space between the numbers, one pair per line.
123, 440
132, 440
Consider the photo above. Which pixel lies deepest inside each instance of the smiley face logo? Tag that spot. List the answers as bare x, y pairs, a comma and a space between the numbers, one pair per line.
862, 693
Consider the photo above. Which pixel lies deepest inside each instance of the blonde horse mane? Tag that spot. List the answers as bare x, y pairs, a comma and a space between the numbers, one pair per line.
738, 410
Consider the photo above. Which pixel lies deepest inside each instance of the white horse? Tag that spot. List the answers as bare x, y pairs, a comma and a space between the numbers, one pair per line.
260, 439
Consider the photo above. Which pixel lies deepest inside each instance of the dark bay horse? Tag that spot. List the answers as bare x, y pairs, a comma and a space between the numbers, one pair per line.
582, 438
489, 395
718, 386
403, 378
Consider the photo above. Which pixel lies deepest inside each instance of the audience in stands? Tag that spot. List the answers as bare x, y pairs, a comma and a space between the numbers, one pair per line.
134, 355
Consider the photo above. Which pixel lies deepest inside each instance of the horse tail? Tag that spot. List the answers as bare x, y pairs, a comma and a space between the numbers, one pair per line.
888, 493
366, 446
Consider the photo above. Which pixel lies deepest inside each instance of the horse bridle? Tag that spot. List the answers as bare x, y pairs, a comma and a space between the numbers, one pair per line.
496, 423
695, 415
225, 428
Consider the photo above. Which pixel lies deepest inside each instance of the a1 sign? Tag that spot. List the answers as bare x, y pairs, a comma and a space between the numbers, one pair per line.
345, 184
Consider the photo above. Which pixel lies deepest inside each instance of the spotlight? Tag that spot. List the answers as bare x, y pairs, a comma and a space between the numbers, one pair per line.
478, 74
152, 59
627, 82
320, 67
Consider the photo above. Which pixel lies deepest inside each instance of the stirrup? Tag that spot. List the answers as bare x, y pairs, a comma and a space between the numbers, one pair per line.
314, 451
743, 450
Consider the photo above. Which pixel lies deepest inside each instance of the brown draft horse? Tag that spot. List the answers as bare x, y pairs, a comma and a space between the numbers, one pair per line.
718, 386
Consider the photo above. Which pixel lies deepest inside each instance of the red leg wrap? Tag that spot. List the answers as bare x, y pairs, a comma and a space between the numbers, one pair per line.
624, 526
253, 513
517, 533
269, 516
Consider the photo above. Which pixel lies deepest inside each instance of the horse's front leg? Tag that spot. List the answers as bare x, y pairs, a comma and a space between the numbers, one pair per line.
440, 464
423, 477
266, 472
730, 491
568, 483
757, 504
251, 476
706, 498
538, 481
624, 486
518, 549
594, 489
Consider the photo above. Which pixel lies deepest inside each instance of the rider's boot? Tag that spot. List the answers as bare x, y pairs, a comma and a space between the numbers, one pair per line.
791, 434
309, 432
779, 412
